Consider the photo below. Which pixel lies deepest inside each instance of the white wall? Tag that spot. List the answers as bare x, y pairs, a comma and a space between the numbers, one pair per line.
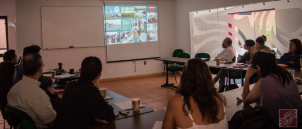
182, 9
29, 32
7, 8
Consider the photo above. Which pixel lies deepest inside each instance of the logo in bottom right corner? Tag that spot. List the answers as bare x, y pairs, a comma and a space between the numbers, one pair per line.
287, 117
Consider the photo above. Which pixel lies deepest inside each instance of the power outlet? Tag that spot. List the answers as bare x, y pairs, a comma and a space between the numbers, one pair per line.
145, 62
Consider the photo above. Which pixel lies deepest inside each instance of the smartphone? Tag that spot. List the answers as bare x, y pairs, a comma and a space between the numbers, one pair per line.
239, 100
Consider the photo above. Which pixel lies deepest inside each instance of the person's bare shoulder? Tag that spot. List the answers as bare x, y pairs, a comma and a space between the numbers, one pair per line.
176, 101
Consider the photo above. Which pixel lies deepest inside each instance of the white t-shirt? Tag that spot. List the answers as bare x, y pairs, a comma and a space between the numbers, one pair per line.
28, 97
226, 55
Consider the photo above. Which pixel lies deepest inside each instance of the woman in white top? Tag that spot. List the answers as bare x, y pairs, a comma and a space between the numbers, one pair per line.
196, 104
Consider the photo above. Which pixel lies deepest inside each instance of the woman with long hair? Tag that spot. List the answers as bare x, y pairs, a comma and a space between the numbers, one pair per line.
275, 89
292, 58
7, 77
196, 104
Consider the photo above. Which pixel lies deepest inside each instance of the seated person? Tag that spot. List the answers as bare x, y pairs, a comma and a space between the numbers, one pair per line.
30, 49
227, 54
246, 56
10, 56
223, 73
82, 103
196, 103
292, 58
276, 88
260, 41
28, 97
7, 77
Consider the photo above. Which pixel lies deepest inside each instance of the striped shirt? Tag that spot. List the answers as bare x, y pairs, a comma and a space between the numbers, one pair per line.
28, 97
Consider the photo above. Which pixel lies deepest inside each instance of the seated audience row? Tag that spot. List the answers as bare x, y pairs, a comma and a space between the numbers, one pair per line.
196, 104
28, 96
275, 89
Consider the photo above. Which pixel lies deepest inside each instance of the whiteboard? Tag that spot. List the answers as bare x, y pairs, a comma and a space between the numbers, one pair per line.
68, 27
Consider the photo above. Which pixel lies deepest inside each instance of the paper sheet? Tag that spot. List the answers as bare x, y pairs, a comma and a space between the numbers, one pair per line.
47, 70
125, 105
65, 75
108, 97
157, 125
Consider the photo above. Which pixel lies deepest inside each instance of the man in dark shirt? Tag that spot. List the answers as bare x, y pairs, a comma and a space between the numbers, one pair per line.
246, 56
10, 56
82, 103
241, 59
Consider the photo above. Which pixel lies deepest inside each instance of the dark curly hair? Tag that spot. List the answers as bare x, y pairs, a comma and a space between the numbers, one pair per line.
196, 82
268, 65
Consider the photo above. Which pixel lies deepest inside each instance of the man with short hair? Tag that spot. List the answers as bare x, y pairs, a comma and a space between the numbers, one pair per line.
223, 73
10, 56
246, 56
28, 97
227, 54
30, 49
82, 103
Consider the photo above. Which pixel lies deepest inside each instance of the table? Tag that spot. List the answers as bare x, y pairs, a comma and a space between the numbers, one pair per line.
171, 59
145, 121
232, 105
210, 64
116, 98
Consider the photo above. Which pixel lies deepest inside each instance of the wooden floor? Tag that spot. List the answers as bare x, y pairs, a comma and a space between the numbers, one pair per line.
148, 89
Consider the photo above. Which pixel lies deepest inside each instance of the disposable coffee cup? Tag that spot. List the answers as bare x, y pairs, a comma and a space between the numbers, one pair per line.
136, 104
217, 61
53, 74
103, 92
71, 71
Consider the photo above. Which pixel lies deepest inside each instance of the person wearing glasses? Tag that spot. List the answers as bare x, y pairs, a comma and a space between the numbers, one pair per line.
28, 97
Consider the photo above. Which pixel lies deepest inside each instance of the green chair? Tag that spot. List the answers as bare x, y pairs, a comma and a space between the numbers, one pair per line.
174, 68
17, 116
203, 55
175, 53
26, 124
183, 55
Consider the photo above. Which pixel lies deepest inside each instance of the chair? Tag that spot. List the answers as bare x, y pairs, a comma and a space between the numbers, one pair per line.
17, 116
234, 59
173, 69
203, 55
175, 53
26, 124
4, 114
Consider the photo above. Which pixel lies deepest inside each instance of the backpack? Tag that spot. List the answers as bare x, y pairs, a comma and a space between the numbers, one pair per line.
255, 118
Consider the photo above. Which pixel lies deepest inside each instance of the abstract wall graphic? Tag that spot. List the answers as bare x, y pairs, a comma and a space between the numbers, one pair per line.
279, 21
